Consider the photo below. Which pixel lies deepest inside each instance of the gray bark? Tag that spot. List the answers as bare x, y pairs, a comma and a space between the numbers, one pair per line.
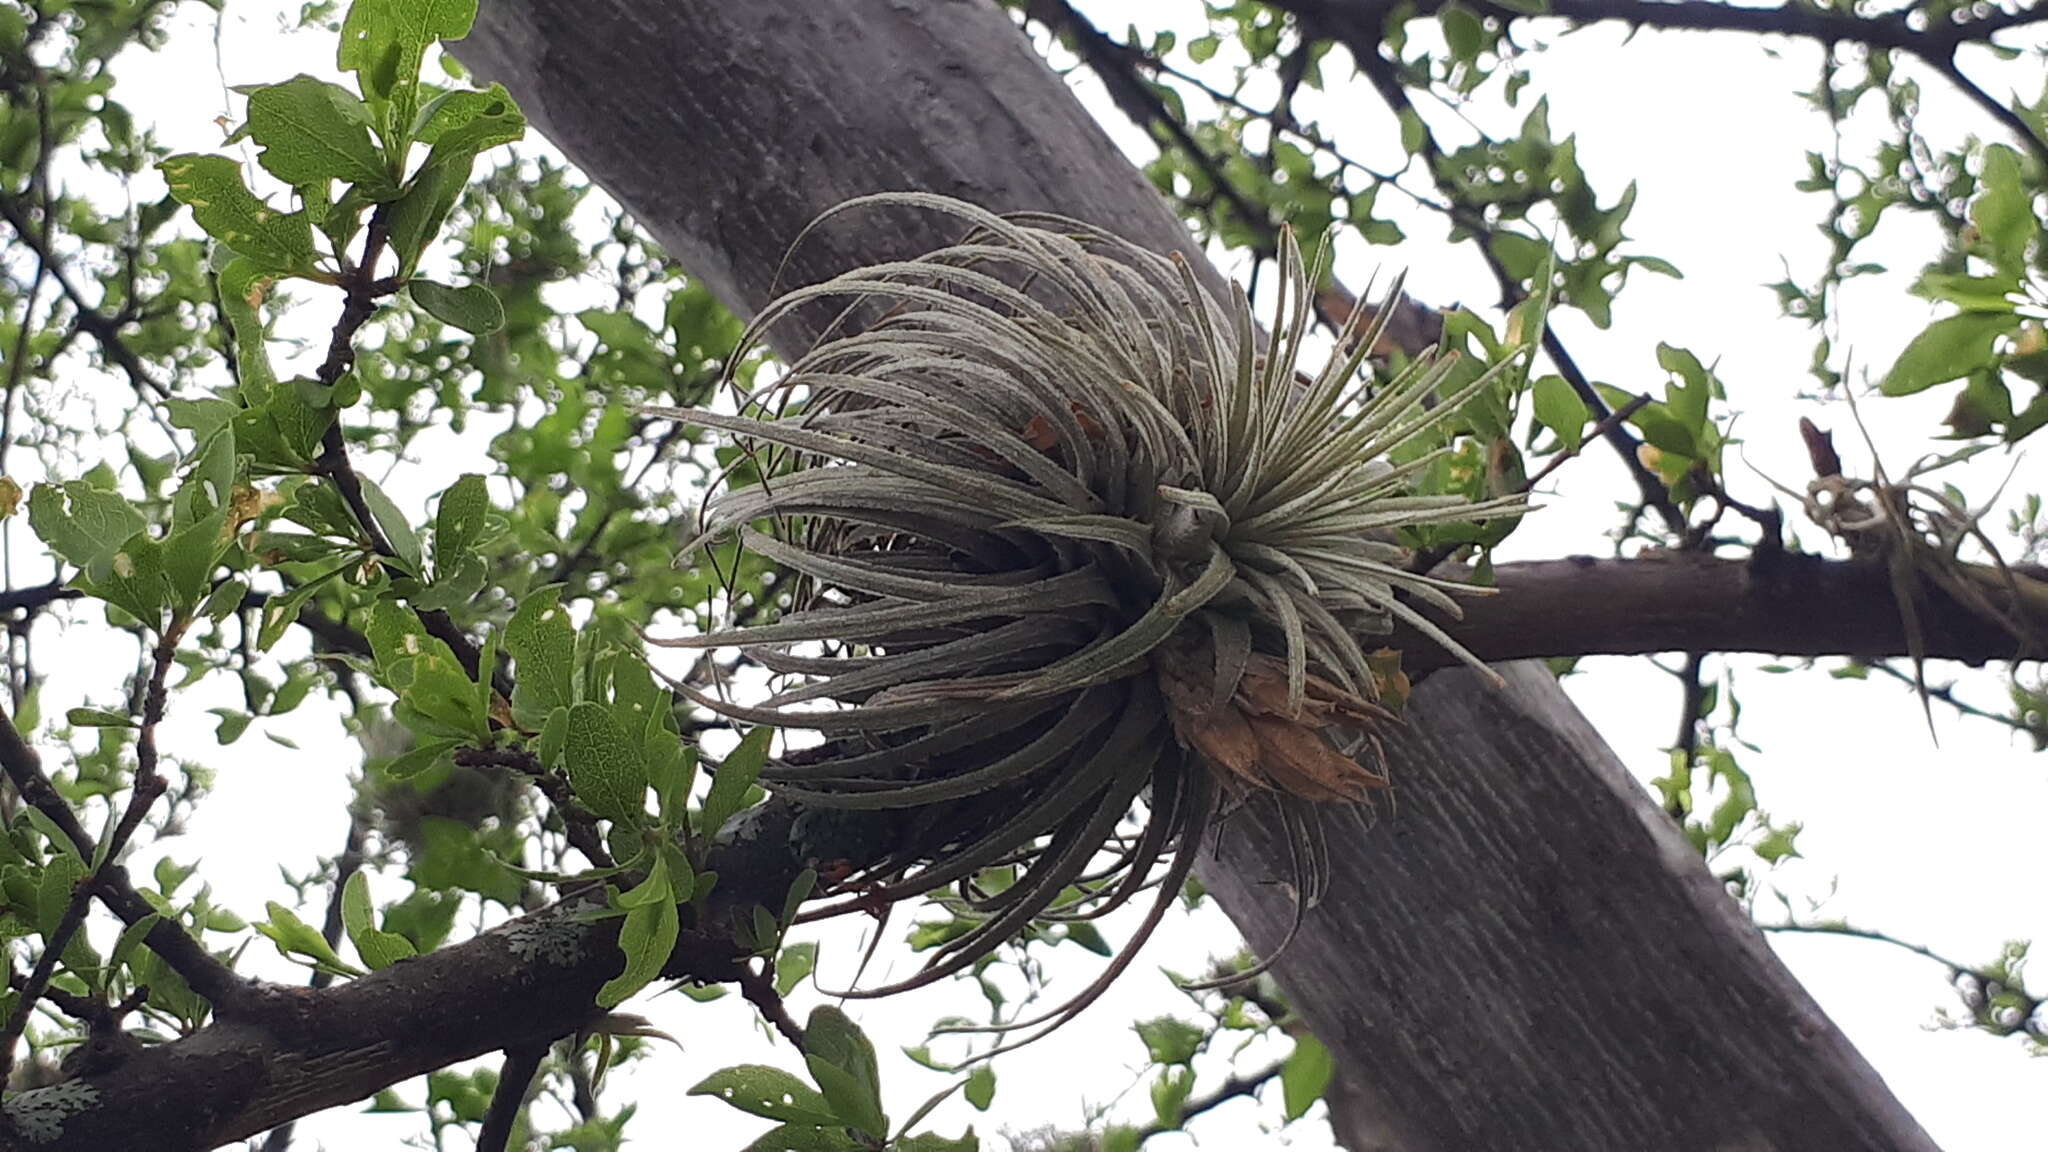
1523, 952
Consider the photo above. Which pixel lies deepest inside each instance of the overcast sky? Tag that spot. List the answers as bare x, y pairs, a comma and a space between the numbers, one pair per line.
1936, 844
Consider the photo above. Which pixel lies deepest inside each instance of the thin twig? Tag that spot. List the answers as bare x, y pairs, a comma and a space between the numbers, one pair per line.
144, 790
758, 986
514, 1078
577, 822
103, 329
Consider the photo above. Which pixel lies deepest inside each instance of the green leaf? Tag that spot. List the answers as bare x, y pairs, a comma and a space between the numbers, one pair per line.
1778, 843
1948, 349
1559, 408
930, 1142
223, 206
280, 612
735, 776
2004, 211
1413, 132
98, 718
379, 949
296, 938
806, 1138
189, 557
762, 1090
312, 131
981, 1086
472, 308
82, 524
130, 939
53, 891
134, 580
397, 530
233, 723
541, 640
647, 938
1169, 1040
244, 284
461, 128
383, 41
842, 1062
796, 962
423, 756
1304, 1076
225, 598
1170, 1094
1090, 937
606, 768
1688, 396
459, 521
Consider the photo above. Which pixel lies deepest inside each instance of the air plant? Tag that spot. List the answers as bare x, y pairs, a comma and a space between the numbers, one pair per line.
1081, 560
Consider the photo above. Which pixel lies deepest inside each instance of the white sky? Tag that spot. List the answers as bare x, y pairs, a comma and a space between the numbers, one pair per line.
1934, 844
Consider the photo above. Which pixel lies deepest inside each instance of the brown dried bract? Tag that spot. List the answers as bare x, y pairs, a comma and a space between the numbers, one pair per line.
1260, 740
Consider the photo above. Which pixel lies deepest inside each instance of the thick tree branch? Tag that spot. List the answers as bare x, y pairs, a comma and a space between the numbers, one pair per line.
292, 1051
1787, 605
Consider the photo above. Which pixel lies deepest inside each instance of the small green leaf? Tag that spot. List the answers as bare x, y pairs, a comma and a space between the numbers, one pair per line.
133, 580
842, 1062
53, 891
766, 1091
98, 718
459, 521
461, 128
1169, 1040
1304, 1076
552, 735
796, 962
130, 939
647, 938
931, 1142
606, 769
312, 131
1559, 408
225, 598
422, 757
735, 777
2004, 211
383, 41
541, 640
472, 307
981, 1086
1948, 349
806, 1138
233, 722
1170, 1095
379, 949
296, 938
82, 524
223, 205
397, 530
1413, 133
280, 612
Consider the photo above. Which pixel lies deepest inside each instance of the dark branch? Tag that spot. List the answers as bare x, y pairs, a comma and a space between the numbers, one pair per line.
1788, 605
510, 1098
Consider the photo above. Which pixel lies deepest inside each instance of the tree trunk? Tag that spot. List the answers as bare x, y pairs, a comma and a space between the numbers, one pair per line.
1522, 952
